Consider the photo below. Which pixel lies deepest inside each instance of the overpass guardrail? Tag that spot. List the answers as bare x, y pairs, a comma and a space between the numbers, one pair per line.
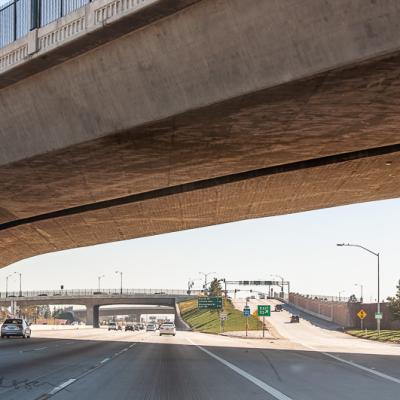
15, 295
18, 17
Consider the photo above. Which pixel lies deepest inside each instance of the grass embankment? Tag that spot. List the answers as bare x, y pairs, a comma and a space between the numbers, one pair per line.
208, 320
385, 336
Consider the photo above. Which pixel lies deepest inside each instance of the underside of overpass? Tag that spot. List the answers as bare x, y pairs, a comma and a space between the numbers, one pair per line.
324, 140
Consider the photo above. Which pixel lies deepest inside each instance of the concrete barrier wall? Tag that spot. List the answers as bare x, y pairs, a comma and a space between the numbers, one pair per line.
344, 314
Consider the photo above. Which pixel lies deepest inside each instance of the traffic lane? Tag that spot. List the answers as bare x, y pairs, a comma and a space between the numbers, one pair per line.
34, 373
309, 375
15, 345
159, 371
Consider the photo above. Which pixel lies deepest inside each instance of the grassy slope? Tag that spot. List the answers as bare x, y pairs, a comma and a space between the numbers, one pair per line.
208, 320
385, 336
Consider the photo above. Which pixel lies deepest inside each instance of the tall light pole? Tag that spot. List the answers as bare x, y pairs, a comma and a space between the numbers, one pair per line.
120, 273
8, 276
20, 284
378, 321
98, 281
342, 291
361, 291
205, 278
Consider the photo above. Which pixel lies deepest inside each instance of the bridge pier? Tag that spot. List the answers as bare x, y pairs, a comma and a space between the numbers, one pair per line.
92, 315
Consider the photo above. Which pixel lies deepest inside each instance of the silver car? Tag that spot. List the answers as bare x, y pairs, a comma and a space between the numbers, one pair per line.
15, 327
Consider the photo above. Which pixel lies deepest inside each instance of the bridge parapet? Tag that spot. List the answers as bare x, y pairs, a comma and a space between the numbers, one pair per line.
75, 30
97, 293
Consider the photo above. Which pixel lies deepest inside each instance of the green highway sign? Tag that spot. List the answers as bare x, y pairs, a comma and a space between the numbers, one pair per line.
378, 315
264, 311
213, 303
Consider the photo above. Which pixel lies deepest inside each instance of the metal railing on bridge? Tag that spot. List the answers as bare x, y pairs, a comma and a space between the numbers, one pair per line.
96, 292
18, 17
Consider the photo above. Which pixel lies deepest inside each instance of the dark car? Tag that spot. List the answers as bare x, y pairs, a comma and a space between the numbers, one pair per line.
15, 327
278, 307
129, 328
294, 319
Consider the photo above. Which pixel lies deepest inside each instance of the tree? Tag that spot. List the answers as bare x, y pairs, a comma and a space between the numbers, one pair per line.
215, 288
394, 304
353, 299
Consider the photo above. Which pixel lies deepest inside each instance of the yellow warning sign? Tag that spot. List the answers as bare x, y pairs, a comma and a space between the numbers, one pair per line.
361, 314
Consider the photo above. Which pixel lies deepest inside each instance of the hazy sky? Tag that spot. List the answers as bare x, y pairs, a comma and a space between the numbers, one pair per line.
301, 247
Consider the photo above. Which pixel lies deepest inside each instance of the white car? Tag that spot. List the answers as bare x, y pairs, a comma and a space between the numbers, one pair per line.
168, 328
151, 328
15, 327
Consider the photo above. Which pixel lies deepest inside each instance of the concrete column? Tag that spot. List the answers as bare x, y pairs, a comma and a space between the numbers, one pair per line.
92, 315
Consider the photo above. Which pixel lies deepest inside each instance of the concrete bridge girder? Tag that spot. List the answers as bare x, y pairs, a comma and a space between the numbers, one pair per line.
260, 103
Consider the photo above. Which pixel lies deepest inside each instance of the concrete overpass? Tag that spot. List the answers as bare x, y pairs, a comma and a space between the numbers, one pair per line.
93, 299
134, 312
186, 114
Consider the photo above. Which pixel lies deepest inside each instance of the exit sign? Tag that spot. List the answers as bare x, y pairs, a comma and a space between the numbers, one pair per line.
264, 311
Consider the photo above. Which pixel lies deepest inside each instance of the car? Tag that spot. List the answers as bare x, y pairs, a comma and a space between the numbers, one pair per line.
278, 307
261, 296
15, 327
112, 326
294, 318
151, 328
168, 328
136, 327
129, 328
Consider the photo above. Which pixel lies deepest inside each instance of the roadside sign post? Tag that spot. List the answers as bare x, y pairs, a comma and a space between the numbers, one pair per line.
264, 311
246, 313
223, 316
362, 314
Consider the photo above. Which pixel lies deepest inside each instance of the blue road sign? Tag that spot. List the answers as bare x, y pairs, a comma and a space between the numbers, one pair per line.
246, 311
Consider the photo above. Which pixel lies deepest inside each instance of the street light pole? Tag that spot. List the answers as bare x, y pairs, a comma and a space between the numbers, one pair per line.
205, 278
361, 291
8, 276
378, 320
120, 273
20, 284
98, 281
342, 291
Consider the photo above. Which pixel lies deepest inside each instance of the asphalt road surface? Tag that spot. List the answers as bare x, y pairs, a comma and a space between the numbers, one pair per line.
97, 364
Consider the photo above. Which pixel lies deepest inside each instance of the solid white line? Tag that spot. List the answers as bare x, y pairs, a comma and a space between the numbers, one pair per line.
40, 349
269, 389
62, 386
355, 365
104, 361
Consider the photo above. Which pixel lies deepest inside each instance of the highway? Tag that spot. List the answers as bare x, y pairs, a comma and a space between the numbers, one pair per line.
97, 364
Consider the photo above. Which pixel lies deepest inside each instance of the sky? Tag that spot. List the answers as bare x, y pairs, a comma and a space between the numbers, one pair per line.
300, 247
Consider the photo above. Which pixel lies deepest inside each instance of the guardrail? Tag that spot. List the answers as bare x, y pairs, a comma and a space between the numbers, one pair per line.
18, 17
97, 292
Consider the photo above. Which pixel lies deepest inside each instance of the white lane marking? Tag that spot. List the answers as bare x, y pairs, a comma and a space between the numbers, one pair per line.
40, 348
355, 365
104, 361
269, 389
62, 386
